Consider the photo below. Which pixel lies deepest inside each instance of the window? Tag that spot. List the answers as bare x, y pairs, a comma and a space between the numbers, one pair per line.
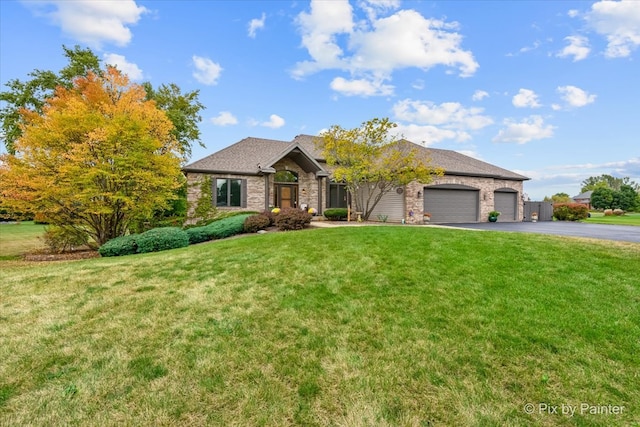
285, 176
337, 197
229, 192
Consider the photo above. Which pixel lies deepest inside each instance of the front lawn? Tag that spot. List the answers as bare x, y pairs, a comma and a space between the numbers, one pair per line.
352, 326
626, 219
18, 238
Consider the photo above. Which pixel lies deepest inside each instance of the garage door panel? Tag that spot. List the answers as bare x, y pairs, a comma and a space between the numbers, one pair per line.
391, 205
505, 203
451, 205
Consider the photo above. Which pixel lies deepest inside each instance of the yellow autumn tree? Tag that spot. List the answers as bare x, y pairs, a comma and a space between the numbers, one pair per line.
371, 162
98, 157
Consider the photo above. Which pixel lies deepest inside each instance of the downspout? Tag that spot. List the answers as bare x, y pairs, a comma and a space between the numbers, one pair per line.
320, 190
266, 192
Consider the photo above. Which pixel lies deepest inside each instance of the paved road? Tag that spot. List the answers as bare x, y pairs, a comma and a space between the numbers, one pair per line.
624, 233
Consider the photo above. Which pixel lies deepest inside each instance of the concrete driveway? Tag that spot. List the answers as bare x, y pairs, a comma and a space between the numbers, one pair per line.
623, 233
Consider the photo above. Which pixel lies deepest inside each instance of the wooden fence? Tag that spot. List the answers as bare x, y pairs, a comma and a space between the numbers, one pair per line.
544, 210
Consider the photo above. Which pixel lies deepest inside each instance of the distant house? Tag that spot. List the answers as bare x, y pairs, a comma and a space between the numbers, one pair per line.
584, 198
258, 174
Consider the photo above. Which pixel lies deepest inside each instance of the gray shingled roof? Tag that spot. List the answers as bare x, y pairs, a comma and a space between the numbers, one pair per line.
245, 156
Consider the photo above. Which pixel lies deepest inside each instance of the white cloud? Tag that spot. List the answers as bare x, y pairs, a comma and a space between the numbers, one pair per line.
529, 129
319, 30
360, 87
373, 7
121, 63
479, 95
224, 118
93, 22
407, 39
418, 84
619, 22
431, 123
450, 115
274, 122
574, 96
536, 44
429, 135
526, 98
573, 13
256, 24
207, 72
376, 46
578, 47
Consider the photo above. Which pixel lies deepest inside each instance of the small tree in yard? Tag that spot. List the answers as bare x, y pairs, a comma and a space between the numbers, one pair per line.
96, 158
371, 162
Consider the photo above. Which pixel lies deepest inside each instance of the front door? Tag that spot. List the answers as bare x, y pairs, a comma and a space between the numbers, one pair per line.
287, 196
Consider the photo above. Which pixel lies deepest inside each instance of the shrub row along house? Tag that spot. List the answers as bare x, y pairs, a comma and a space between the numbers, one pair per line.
258, 174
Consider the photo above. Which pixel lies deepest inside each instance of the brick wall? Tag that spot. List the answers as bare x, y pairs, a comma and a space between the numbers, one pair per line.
255, 192
487, 186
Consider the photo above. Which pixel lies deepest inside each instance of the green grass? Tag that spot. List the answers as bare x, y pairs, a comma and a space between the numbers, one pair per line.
626, 219
16, 239
353, 326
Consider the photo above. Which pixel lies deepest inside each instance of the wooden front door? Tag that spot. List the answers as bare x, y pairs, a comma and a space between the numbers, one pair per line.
287, 196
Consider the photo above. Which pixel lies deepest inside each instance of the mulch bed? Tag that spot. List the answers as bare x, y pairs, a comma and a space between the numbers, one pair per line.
65, 256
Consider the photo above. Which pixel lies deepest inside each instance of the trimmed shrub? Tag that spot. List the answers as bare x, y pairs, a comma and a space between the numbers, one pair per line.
217, 230
618, 212
124, 245
292, 219
269, 215
254, 223
608, 212
197, 235
161, 239
336, 214
570, 211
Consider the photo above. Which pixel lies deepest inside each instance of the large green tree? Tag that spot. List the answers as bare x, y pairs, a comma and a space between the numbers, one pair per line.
183, 109
602, 198
372, 162
558, 198
607, 181
33, 93
93, 158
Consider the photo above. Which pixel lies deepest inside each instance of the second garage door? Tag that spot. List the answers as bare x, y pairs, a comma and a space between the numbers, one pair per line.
451, 204
506, 204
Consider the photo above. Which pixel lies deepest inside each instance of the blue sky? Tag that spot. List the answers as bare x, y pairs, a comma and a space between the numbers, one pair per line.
549, 89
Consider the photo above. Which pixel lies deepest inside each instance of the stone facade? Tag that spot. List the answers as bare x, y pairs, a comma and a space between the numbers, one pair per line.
312, 191
487, 187
307, 184
255, 192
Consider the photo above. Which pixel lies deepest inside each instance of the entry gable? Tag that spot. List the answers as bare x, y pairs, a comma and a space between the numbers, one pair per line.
298, 154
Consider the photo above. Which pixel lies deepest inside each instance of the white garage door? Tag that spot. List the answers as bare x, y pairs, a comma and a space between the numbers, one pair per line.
506, 204
451, 205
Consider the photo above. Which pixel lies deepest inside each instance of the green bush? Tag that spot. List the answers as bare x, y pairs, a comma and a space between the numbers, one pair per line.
570, 211
292, 219
161, 239
220, 229
336, 214
255, 223
62, 239
124, 245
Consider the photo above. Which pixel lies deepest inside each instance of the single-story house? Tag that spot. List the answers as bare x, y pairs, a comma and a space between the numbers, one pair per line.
584, 198
258, 174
